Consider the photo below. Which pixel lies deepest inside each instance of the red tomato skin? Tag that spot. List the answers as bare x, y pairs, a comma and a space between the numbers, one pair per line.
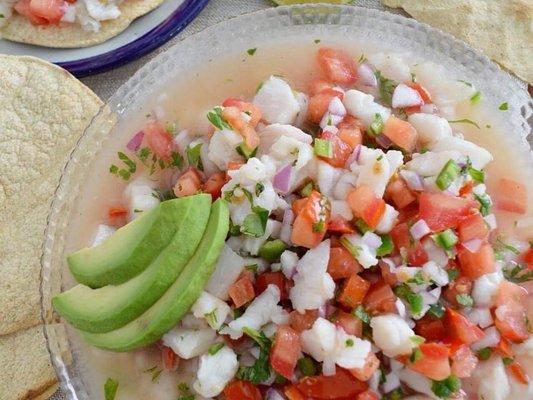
401, 237
474, 265
340, 385
416, 254
472, 227
461, 329
319, 103
272, 278
242, 291
116, 216
51, 10
441, 211
158, 139
511, 196
389, 277
464, 362
341, 150
309, 213
23, 8
380, 299
432, 329
434, 363
399, 193
366, 205
353, 291
188, 184
401, 133
213, 185
351, 131
242, 390
340, 226
301, 322
285, 351
510, 315
292, 393
349, 322
169, 357
342, 264
319, 85
338, 66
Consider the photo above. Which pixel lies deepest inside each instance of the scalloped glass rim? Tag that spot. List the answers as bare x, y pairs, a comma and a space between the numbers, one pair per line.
496, 85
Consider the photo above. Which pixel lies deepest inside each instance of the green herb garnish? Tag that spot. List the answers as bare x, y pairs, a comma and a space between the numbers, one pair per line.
484, 201
307, 366
437, 310
214, 349
484, 353
255, 223
376, 127
387, 246
503, 107
447, 175
476, 97
386, 88
251, 51
193, 156
445, 239
110, 389
215, 117
447, 387
464, 121
465, 300
361, 313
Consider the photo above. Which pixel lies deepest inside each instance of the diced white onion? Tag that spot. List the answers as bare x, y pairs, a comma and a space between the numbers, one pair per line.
419, 229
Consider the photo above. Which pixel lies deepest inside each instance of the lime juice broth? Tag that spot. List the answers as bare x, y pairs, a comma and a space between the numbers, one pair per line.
186, 101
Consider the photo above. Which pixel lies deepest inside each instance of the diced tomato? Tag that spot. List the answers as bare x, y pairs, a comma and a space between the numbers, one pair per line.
242, 126
319, 103
510, 315
242, 390
472, 227
285, 351
169, 357
399, 193
441, 211
518, 372
311, 221
319, 85
338, 66
242, 291
158, 139
511, 196
23, 8
417, 255
464, 362
434, 363
426, 97
504, 348
188, 184
353, 291
473, 265
366, 371
527, 256
349, 322
459, 286
341, 150
401, 133
342, 264
380, 299
351, 131
339, 225
431, 328
388, 276
340, 385
298, 205
116, 216
213, 184
292, 393
301, 322
367, 395
249, 108
461, 328
466, 189
366, 205
50, 10
401, 237
272, 278
233, 165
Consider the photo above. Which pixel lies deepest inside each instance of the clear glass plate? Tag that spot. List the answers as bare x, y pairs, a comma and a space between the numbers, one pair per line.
276, 24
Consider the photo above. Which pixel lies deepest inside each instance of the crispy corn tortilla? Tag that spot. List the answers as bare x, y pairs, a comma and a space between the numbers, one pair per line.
26, 371
503, 30
19, 28
43, 112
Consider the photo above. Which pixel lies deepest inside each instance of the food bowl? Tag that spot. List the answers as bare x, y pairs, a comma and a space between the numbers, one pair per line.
290, 25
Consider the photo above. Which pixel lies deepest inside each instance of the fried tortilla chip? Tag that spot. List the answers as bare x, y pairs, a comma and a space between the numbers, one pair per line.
20, 29
43, 112
503, 30
26, 372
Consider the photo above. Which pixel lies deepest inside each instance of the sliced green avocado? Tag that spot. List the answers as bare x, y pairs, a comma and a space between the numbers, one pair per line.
129, 250
178, 299
110, 307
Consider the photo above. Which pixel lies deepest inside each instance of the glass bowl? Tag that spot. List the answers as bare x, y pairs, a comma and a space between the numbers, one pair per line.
272, 25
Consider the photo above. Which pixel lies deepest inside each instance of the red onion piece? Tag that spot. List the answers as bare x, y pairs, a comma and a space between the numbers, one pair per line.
136, 141
472, 245
282, 180
322, 311
372, 240
366, 75
273, 394
412, 179
354, 157
419, 229
383, 141
405, 96
428, 108
286, 227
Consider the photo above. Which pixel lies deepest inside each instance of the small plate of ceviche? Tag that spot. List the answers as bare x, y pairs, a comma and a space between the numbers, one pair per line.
299, 204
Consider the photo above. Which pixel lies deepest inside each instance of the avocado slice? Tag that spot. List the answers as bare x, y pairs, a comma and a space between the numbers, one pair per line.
129, 250
178, 299
110, 307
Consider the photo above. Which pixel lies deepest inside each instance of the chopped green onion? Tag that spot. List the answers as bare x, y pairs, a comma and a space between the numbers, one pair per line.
386, 246
361, 313
376, 127
445, 239
258, 336
484, 353
417, 279
110, 389
503, 107
447, 387
214, 349
484, 200
306, 366
476, 174
354, 250
271, 250
465, 300
323, 148
447, 175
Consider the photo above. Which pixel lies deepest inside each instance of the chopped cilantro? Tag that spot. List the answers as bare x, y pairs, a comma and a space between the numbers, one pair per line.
502, 245
349, 342
143, 154
362, 59
177, 160
215, 117
259, 188
354, 250
255, 223
417, 279
386, 88
516, 274
507, 361
452, 273
437, 310
319, 226
465, 300
317, 41
361, 313
193, 156
307, 366
258, 336
110, 389
259, 372
476, 97
214, 349
484, 353
251, 51
464, 121
503, 107
376, 127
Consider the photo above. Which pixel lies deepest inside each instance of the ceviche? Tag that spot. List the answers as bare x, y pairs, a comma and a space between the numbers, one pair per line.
332, 243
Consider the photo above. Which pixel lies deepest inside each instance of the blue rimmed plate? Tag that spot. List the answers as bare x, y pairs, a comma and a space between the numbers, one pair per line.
142, 36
